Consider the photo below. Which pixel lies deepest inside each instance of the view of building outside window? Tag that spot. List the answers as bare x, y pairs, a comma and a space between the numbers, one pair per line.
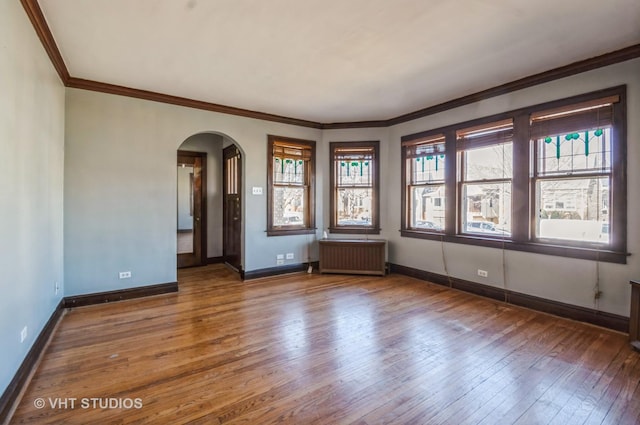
573, 186
486, 190
354, 174
289, 188
426, 168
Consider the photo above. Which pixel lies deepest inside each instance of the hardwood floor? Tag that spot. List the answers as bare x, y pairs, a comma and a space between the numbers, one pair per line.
329, 349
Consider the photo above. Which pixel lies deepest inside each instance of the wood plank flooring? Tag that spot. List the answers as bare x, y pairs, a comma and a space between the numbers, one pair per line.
328, 349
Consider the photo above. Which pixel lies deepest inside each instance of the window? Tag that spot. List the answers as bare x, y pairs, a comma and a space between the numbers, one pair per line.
573, 172
549, 179
291, 186
486, 168
424, 172
355, 203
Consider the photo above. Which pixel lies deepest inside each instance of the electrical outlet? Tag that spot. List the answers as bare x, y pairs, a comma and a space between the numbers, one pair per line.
280, 261
125, 275
483, 273
256, 190
290, 256
280, 257
23, 334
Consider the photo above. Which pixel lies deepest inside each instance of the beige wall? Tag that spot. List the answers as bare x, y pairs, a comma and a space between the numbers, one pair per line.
31, 197
128, 202
562, 279
120, 185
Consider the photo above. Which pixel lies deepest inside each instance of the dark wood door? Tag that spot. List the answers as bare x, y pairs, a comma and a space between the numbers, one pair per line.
232, 207
191, 201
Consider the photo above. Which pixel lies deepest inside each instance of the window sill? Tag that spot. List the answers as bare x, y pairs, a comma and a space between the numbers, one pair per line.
355, 230
584, 253
288, 232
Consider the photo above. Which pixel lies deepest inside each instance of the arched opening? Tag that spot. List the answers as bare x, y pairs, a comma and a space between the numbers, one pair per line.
209, 201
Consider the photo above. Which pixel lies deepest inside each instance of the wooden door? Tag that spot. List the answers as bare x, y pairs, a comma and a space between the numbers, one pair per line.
191, 202
232, 207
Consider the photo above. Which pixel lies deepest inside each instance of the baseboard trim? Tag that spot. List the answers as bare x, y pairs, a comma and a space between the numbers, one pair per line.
12, 393
215, 260
120, 295
582, 314
274, 271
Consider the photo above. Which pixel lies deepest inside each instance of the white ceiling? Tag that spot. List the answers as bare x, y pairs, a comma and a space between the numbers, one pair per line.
331, 60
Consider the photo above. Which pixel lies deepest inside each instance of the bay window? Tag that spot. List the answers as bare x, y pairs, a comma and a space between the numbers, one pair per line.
549, 178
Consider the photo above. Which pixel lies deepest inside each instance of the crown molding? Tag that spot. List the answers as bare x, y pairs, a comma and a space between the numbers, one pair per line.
79, 83
574, 68
41, 28
32, 8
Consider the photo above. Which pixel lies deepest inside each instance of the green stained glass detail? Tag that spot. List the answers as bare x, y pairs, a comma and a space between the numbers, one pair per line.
430, 157
289, 161
355, 164
342, 164
586, 143
547, 139
366, 163
418, 159
598, 132
575, 136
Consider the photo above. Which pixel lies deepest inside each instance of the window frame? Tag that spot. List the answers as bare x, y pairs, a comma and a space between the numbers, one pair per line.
308, 184
374, 228
409, 183
523, 236
503, 135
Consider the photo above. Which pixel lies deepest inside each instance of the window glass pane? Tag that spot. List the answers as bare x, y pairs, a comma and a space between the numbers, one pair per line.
574, 209
427, 207
288, 170
354, 207
492, 162
288, 206
584, 151
354, 172
427, 168
487, 208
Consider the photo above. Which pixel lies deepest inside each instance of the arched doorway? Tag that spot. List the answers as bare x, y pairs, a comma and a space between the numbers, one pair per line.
221, 215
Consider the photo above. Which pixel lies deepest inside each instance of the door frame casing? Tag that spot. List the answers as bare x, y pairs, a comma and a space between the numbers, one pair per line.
200, 260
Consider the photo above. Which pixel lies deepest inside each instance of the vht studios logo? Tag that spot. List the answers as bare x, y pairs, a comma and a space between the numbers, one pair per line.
88, 403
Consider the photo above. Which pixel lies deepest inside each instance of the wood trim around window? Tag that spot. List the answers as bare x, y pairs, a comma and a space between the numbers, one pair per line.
310, 219
523, 201
374, 229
